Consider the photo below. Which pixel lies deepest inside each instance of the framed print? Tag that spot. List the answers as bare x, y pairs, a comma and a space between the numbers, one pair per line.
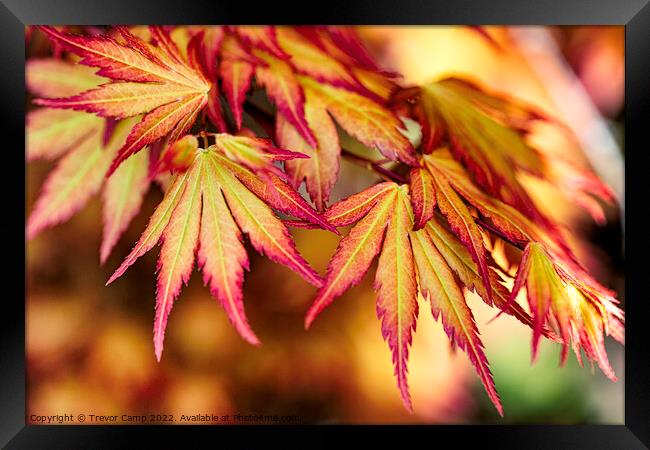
409, 220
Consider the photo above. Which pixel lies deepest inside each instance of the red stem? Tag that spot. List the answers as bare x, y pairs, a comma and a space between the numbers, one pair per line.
498, 233
374, 166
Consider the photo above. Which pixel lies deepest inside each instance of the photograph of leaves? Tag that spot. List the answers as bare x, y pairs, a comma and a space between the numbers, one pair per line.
245, 130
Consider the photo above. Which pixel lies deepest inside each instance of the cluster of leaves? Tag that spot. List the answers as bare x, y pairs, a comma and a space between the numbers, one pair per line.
129, 106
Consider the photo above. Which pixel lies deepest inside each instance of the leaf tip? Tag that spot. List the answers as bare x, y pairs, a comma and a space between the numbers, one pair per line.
406, 400
113, 277
41, 102
533, 355
313, 312
499, 408
309, 319
31, 230
328, 226
158, 344
250, 337
104, 253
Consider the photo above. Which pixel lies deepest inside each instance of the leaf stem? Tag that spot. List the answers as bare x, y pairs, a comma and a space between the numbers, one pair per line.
204, 137
498, 233
386, 174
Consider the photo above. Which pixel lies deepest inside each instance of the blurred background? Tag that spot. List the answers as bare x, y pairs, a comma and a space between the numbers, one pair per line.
90, 350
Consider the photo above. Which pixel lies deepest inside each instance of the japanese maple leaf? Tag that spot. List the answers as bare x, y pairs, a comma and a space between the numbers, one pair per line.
202, 44
432, 188
367, 121
307, 84
262, 37
580, 185
50, 133
556, 284
320, 170
236, 70
486, 132
86, 145
310, 60
460, 261
492, 151
410, 261
580, 309
204, 212
344, 44
509, 221
157, 81
81, 173
210, 39
520, 230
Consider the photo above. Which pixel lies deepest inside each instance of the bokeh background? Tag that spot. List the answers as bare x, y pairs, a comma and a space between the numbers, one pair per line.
89, 347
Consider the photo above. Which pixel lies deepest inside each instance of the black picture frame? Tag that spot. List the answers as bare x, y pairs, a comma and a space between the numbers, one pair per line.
633, 14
